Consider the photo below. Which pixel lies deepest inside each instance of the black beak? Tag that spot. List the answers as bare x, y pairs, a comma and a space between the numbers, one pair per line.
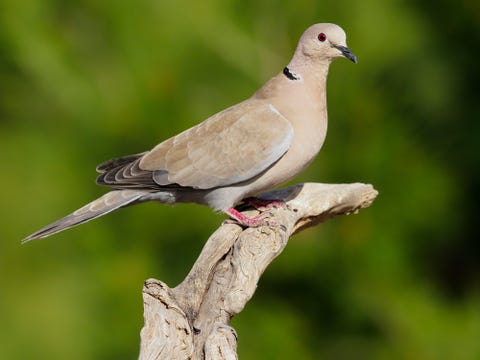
347, 53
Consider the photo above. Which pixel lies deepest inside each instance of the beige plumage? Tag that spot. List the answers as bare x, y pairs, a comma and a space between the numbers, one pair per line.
246, 149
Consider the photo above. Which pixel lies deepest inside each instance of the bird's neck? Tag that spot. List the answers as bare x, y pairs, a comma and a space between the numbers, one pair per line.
300, 83
306, 84
313, 74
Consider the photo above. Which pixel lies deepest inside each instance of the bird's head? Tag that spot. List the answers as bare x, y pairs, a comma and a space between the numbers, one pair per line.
325, 42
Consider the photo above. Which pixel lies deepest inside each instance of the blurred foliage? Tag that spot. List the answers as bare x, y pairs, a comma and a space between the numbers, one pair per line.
84, 81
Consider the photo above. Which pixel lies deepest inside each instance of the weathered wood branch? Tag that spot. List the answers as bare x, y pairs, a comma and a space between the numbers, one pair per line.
191, 321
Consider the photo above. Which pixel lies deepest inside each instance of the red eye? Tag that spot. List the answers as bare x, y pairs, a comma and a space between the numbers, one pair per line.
322, 37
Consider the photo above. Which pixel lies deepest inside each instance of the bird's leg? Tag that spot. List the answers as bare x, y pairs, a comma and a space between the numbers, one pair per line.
263, 204
243, 220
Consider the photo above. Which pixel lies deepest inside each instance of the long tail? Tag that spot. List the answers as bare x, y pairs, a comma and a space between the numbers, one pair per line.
109, 202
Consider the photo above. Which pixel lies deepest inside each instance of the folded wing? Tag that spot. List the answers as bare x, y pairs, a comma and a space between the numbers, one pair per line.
232, 146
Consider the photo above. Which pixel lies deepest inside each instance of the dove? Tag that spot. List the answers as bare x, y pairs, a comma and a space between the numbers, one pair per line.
248, 148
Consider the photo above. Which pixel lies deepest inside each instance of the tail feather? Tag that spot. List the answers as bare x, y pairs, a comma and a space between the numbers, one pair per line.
109, 202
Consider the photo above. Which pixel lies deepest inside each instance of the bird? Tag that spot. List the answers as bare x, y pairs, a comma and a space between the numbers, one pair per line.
242, 151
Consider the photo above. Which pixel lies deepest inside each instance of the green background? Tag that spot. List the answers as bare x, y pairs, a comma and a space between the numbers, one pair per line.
83, 81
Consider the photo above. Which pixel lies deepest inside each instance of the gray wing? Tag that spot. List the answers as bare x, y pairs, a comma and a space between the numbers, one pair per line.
233, 146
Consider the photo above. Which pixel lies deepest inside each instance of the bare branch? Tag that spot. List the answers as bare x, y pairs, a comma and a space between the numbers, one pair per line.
191, 321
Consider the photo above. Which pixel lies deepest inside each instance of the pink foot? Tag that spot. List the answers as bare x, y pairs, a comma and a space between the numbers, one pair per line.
243, 220
263, 204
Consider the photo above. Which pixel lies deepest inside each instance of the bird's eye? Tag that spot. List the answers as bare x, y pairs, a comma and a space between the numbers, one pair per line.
322, 37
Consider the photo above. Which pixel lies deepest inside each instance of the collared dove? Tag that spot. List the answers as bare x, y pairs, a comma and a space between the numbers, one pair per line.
248, 148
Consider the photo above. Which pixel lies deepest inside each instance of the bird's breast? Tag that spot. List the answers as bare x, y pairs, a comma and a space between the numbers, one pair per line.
309, 122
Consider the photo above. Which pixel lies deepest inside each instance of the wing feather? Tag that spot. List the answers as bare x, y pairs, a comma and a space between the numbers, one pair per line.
230, 147
233, 146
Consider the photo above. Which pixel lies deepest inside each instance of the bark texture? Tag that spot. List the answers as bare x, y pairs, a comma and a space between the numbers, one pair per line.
191, 321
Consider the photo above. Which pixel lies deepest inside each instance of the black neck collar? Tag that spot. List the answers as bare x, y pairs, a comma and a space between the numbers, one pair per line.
290, 75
